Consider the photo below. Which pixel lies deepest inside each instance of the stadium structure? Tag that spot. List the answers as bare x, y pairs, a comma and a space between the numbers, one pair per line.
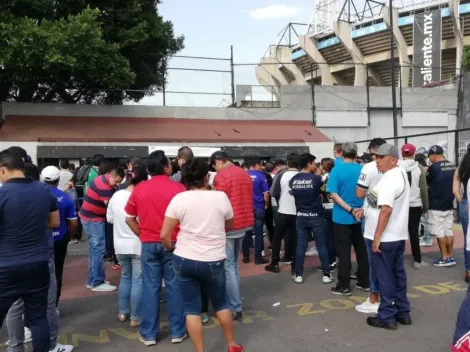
343, 45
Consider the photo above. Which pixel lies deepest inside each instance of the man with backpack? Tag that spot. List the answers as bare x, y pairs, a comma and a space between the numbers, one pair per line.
418, 199
86, 174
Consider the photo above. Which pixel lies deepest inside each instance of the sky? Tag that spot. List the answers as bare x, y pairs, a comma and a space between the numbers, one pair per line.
210, 27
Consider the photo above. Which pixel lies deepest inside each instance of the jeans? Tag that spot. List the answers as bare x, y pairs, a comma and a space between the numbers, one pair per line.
464, 222
232, 274
96, 244
372, 283
130, 286
258, 230
390, 275
28, 283
195, 276
305, 226
425, 230
60, 252
157, 263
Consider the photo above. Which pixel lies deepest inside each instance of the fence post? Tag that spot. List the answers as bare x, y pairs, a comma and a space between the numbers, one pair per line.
368, 95
406, 140
232, 72
456, 147
314, 119
164, 82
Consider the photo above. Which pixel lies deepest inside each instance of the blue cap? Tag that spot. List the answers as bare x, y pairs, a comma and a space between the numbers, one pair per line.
436, 150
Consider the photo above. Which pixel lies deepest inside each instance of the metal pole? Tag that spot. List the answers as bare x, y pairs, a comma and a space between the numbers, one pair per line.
314, 120
368, 95
394, 93
232, 74
164, 82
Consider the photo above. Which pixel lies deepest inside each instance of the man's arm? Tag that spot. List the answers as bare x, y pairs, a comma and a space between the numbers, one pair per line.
338, 200
363, 183
132, 212
384, 217
72, 220
168, 226
53, 220
456, 186
276, 187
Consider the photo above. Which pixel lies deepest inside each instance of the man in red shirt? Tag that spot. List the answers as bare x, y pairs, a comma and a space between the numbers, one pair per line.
237, 184
148, 203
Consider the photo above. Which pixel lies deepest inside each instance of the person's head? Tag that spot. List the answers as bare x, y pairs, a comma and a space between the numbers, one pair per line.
116, 175
133, 160
307, 162
436, 154
421, 159
219, 160
293, 161
408, 151
158, 164
137, 174
374, 145
279, 164
364, 159
464, 168
337, 150
195, 174
254, 164
96, 160
349, 150
269, 168
386, 157
50, 175
184, 155
20, 151
326, 165
11, 165
64, 164
105, 166
71, 167
236, 163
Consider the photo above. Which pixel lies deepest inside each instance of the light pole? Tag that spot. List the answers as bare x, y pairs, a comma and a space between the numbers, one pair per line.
392, 62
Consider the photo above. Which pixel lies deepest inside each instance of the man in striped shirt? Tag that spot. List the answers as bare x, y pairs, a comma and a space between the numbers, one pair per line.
93, 216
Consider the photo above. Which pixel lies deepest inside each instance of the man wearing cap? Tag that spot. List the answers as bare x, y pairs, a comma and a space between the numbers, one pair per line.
418, 199
440, 178
389, 199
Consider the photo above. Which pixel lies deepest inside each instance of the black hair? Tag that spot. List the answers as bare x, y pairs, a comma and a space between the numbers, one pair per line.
71, 167
157, 162
20, 151
185, 153
293, 160
31, 171
253, 162
133, 160
118, 171
376, 142
305, 159
464, 170
105, 166
97, 158
327, 164
219, 155
421, 159
64, 163
11, 160
280, 162
337, 147
138, 174
236, 163
269, 167
194, 173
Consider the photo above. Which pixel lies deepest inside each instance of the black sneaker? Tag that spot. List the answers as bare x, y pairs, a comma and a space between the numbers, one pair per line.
354, 276
237, 316
272, 268
261, 261
365, 289
285, 261
332, 267
246, 260
341, 291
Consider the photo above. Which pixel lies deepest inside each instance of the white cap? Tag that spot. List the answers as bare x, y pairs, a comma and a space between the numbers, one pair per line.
50, 174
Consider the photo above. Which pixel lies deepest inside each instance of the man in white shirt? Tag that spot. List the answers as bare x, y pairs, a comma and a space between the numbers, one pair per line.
285, 220
390, 199
369, 177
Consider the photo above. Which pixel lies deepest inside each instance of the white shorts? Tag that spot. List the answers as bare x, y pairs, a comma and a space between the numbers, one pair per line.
440, 222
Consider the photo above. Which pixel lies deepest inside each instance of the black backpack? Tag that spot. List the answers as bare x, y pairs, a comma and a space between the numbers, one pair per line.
82, 174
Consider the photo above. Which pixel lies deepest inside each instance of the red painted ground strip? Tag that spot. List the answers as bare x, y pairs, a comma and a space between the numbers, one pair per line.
76, 270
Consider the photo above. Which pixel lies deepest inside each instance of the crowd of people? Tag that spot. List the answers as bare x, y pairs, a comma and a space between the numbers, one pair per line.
183, 229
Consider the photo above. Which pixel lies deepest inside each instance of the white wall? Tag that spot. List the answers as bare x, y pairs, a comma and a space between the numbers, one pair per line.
30, 147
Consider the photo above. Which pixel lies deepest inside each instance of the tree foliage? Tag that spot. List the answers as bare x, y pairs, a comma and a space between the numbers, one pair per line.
83, 51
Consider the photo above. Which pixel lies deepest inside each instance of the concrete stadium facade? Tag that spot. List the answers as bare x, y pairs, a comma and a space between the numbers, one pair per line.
359, 53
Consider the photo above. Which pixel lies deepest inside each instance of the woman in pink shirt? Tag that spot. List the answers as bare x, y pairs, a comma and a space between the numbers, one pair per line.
199, 253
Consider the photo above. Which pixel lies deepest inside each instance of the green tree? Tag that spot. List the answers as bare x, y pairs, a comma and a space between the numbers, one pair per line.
466, 59
77, 51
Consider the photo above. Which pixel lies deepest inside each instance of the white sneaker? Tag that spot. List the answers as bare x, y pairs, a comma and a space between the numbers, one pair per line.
179, 339
27, 335
62, 348
312, 252
263, 254
328, 279
104, 288
298, 279
106, 282
147, 342
367, 307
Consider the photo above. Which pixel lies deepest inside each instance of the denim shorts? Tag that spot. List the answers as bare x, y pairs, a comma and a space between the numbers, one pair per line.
194, 276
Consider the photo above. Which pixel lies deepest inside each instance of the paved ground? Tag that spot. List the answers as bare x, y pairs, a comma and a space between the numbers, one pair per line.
308, 318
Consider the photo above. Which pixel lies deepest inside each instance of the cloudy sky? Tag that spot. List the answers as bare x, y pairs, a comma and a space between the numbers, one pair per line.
210, 27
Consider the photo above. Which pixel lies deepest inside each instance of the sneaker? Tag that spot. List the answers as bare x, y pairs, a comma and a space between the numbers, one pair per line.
367, 307
353, 276
341, 291
452, 261
246, 260
365, 289
272, 268
261, 261
122, 317
425, 243
204, 318
263, 254
104, 288
298, 279
27, 335
106, 282
62, 348
443, 262
147, 342
312, 252
134, 323
236, 348
332, 268
328, 279
417, 265
285, 261
237, 316
179, 339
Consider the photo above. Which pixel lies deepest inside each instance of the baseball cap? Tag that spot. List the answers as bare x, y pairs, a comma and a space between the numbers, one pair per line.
436, 150
408, 149
388, 150
50, 173
367, 158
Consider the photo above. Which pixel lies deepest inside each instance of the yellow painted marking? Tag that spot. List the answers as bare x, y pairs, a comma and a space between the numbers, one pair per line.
306, 309
337, 304
259, 314
102, 338
357, 299
432, 289
412, 295
130, 335
62, 339
453, 287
